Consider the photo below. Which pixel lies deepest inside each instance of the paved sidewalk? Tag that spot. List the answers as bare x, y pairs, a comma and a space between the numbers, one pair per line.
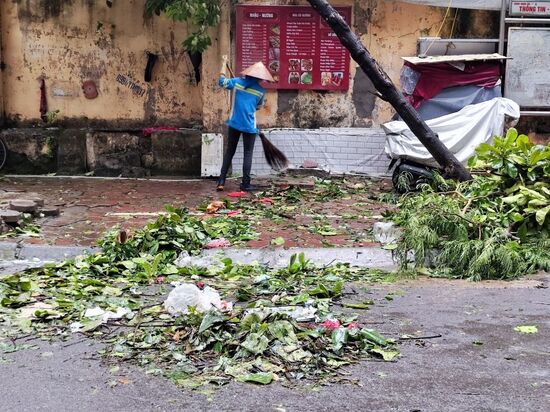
91, 206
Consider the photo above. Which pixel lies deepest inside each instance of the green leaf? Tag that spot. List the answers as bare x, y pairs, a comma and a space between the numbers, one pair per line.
511, 136
373, 336
263, 378
364, 305
526, 329
91, 325
250, 320
283, 331
522, 232
209, 319
387, 355
16, 300
541, 215
320, 291
255, 343
279, 241
47, 314
339, 338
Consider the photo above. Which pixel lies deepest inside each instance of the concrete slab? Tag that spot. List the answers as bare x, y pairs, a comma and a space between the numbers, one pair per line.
51, 253
371, 257
7, 251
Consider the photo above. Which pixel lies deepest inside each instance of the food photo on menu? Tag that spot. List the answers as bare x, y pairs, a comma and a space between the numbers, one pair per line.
326, 78
306, 78
274, 53
274, 41
294, 65
274, 66
307, 65
294, 77
337, 78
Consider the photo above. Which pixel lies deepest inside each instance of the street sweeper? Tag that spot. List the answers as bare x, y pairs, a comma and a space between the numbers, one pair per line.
247, 97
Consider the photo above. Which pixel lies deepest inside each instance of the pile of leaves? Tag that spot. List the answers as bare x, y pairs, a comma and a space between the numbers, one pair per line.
117, 295
493, 227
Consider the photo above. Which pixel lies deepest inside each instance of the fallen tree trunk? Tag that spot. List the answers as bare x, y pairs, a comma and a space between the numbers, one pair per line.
388, 92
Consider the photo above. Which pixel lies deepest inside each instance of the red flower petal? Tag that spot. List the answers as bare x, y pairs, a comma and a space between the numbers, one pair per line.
218, 243
330, 324
236, 194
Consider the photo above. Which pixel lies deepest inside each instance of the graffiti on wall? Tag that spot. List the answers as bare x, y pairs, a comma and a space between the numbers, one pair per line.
128, 82
174, 55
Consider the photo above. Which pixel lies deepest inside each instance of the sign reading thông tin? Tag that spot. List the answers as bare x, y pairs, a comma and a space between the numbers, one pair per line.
530, 8
300, 50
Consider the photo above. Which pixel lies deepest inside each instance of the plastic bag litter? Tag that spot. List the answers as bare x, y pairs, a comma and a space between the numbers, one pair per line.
203, 260
185, 295
184, 260
106, 315
299, 313
386, 232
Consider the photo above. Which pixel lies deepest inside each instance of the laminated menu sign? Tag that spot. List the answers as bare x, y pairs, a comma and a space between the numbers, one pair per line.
300, 50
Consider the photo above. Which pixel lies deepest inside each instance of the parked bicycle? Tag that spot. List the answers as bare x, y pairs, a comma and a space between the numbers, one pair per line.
3, 153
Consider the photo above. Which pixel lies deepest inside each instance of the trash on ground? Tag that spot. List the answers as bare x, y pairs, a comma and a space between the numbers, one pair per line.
215, 206
218, 243
189, 295
236, 194
105, 315
300, 313
386, 232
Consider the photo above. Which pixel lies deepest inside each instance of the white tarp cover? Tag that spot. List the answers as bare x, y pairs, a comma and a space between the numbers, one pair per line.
461, 4
460, 132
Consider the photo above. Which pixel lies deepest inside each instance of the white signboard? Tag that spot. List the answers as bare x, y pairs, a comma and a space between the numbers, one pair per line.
530, 8
461, 4
527, 80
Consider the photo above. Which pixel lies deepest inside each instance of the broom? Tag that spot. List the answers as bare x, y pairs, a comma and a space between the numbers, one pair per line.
273, 156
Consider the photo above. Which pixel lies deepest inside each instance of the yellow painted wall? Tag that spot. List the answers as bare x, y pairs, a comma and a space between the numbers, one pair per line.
70, 41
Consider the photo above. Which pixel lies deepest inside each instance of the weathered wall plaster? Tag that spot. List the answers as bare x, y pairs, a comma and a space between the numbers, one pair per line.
67, 42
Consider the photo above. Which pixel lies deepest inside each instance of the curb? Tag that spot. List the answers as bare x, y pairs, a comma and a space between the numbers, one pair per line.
17, 251
371, 257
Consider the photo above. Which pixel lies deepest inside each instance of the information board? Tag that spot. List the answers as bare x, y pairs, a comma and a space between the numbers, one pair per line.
300, 50
527, 80
530, 8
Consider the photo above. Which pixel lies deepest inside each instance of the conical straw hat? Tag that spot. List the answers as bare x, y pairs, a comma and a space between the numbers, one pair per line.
259, 71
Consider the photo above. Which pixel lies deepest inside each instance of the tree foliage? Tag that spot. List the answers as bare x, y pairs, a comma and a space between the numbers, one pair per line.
200, 15
496, 226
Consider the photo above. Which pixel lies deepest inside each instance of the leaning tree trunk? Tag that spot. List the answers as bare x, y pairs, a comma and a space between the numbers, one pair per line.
388, 92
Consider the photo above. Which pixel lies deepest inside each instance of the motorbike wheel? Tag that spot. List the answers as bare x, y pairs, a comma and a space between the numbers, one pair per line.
3, 154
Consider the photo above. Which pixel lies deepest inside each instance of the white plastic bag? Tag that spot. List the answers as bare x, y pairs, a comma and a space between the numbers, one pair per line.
187, 294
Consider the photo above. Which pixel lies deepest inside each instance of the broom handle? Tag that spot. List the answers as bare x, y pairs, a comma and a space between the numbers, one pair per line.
230, 71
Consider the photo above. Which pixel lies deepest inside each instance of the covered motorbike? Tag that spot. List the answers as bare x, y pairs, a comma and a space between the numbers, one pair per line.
461, 132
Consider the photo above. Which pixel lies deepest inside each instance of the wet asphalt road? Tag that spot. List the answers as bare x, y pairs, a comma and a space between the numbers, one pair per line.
478, 364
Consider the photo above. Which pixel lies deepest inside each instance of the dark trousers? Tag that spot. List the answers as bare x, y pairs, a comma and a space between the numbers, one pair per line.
233, 136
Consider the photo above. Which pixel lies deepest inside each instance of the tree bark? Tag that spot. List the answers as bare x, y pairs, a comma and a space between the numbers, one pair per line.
388, 92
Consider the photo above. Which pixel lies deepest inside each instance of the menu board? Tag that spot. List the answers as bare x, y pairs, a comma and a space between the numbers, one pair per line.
300, 50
